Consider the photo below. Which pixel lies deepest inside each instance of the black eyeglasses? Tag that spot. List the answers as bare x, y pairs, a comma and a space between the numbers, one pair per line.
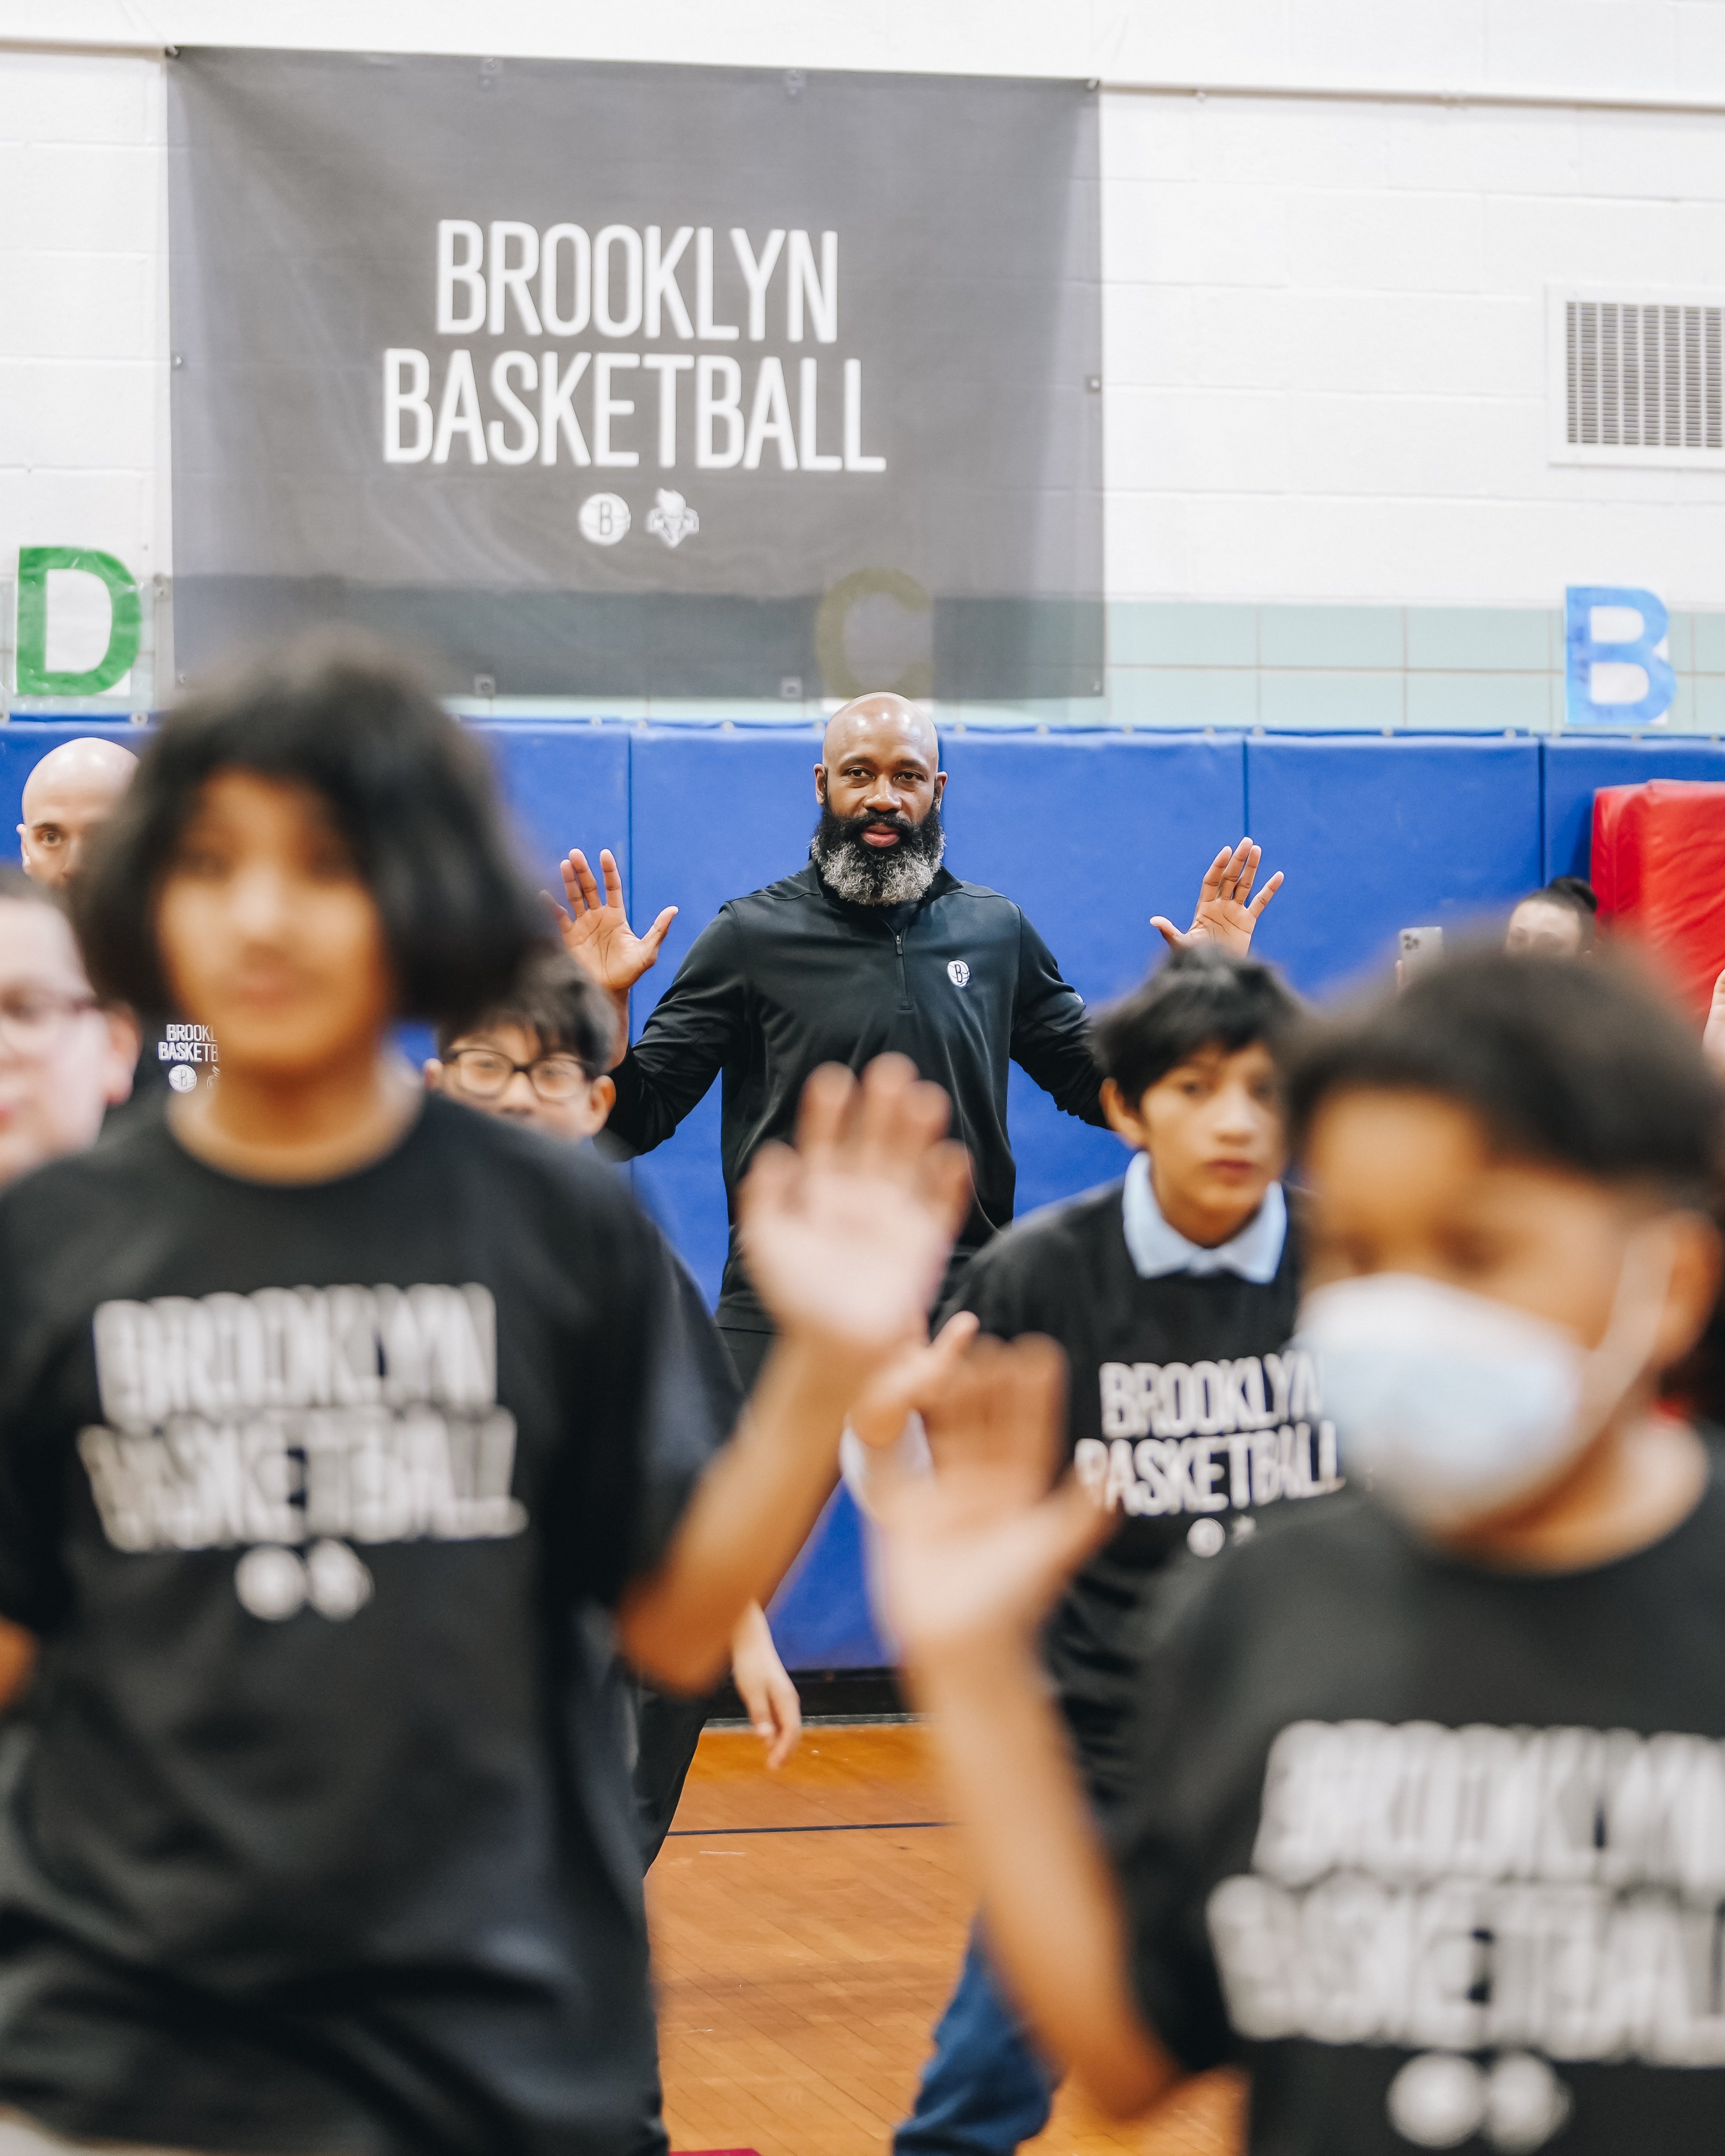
486, 1074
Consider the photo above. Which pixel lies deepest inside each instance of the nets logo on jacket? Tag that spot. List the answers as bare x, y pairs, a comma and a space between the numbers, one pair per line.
295, 1422
1209, 1437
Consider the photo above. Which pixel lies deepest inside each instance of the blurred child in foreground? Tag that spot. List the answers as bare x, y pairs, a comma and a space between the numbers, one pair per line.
337, 1424
1426, 1814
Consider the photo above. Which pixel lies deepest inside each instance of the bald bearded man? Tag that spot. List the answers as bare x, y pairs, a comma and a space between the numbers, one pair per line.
874, 945
72, 789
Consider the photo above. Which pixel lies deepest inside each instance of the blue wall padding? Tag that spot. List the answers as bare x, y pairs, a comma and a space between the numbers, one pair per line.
1091, 834
1573, 770
561, 784
1379, 835
821, 1617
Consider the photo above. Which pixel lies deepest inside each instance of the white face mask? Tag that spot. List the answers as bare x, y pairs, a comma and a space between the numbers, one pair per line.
1452, 1406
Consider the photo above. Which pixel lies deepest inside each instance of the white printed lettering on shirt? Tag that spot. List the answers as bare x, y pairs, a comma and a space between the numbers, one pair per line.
1559, 1890
186, 1044
1244, 1451
294, 1415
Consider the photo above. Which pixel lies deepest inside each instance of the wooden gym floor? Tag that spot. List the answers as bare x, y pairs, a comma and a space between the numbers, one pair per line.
807, 1927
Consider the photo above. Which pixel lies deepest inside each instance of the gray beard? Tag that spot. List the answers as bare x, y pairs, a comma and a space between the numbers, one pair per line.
897, 878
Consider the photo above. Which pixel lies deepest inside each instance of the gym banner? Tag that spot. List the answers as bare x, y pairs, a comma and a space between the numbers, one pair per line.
666, 382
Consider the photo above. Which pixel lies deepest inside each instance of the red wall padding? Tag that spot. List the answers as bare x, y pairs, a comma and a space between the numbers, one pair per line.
1659, 868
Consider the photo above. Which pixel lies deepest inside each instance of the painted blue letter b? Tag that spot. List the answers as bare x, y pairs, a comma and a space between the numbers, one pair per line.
1583, 654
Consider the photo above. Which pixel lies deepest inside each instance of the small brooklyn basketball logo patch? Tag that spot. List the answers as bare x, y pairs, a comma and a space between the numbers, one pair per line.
958, 972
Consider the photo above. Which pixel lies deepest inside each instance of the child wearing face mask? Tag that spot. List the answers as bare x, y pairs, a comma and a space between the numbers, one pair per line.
1426, 1816
540, 1060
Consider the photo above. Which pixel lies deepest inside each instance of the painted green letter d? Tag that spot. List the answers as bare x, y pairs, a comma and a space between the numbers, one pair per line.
125, 627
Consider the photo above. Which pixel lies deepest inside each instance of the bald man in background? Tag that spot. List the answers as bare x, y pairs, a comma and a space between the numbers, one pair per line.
874, 945
74, 788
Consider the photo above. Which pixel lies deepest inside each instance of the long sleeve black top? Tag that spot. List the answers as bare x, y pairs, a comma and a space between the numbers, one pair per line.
793, 977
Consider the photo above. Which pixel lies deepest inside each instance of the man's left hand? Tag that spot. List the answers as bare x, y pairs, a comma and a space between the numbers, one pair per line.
1223, 917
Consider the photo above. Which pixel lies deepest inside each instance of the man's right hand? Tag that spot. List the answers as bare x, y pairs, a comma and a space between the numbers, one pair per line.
596, 931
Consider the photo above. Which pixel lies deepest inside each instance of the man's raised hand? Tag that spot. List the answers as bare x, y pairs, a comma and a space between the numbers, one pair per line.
845, 1237
595, 929
1222, 915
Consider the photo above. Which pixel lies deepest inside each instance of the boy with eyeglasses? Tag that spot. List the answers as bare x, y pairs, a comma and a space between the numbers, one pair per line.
541, 1059
65, 1057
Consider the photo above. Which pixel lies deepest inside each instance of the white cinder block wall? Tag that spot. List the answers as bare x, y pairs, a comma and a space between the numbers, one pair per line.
83, 440
1326, 347
1324, 312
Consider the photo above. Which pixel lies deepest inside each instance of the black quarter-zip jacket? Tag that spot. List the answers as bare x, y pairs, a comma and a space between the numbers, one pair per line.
793, 977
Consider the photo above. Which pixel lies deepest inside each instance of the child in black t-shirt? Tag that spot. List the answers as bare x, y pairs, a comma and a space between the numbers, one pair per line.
1426, 1819
1172, 1295
541, 1059
341, 1432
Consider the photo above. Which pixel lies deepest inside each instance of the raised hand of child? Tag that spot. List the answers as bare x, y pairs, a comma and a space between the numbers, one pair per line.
973, 1556
901, 1388
845, 1236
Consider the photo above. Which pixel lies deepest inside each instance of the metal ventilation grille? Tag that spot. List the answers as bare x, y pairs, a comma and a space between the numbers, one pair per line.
1644, 376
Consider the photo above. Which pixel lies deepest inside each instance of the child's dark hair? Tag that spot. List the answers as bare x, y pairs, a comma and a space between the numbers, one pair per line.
561, 1004
1577, 897
1582, 1067
1198, 999
412, 793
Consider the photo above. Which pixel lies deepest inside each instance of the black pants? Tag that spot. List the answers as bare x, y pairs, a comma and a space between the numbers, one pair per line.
668, 1726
